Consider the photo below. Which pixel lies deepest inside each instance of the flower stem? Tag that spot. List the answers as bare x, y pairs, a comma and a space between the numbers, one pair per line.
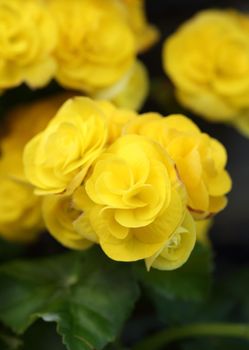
162, 338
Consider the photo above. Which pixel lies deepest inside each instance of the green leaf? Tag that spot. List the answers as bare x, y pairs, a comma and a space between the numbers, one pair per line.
215, 308
228, 301
87, 295
191, 282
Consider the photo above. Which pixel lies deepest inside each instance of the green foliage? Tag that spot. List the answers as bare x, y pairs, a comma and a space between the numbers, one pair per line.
228, 300
88, 296
191, 282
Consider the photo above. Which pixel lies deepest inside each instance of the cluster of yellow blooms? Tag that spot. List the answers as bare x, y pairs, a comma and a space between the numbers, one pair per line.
20, 210
96, 174
45, 39
208, 61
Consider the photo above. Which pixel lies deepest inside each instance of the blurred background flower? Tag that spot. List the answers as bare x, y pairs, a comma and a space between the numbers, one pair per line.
20, 212
212, 76
28, 37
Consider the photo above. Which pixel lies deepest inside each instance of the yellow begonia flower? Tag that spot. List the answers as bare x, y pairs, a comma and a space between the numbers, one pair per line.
132, 198
22, 123
145, 34
208, 61
177, 249
59, 215
58, 158
28, 37
131, 91
115, 118
26, 120
96, 47
20, 210
200, 159
202, 229
242, 123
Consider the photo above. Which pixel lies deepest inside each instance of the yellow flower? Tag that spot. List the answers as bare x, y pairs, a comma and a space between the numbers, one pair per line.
26, 120
177, 249
132, 198
59, 215
115, 118
96, 46
20, 210
242, 123
146, 34
57, 159
22, 123
27, 38
131, 91
202, 229
208, 61
200, 159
